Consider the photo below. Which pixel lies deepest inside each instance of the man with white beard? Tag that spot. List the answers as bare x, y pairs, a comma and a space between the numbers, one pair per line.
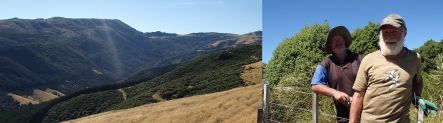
388, 79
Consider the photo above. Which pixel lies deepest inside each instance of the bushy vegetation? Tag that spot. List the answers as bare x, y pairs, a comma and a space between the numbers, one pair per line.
432, 64
365, 40
429, 52
82, 105
293, 60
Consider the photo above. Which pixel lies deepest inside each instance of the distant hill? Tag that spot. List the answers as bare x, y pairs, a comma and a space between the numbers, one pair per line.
238, 105
68, 55
217, 71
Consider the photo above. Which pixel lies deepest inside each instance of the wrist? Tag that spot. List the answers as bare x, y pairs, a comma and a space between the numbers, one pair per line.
333, 93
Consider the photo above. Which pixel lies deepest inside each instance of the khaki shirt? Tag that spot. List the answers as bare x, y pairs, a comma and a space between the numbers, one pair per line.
387, 83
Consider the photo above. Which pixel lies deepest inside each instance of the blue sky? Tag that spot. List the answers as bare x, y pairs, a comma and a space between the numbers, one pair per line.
175, 16
284, 18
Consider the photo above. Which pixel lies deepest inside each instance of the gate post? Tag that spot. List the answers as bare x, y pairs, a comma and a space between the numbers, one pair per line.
314, 108
265, 102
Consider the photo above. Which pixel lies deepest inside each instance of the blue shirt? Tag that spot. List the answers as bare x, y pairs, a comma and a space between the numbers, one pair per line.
320, 76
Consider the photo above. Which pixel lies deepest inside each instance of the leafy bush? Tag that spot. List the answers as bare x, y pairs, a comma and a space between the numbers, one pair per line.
83, 105
294, 60
429, 52
365, 41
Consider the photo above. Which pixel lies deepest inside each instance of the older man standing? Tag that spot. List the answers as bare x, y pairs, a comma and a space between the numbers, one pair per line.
387, 79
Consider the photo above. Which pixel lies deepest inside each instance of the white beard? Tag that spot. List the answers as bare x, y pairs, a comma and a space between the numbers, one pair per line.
388, 50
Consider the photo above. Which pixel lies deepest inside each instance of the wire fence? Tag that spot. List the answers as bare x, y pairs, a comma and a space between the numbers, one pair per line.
275, 110
298, 109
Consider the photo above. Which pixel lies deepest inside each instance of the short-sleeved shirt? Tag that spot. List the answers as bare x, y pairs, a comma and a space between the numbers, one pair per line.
387, 83
339, 75
320, 76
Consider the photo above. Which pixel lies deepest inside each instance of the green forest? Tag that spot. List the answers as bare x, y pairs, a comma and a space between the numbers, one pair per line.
294, 61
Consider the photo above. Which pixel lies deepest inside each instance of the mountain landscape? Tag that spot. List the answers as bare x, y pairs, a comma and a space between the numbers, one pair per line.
42, 59
59, 69
217, 71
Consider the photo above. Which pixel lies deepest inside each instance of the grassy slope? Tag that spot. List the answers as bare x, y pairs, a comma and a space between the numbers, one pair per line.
235, 105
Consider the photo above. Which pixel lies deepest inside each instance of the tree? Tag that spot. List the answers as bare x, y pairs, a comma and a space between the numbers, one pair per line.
365, 40
295, 59
293, 64
428, 52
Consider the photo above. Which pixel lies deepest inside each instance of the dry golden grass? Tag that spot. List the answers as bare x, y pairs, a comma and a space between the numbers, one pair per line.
42, 96
123, 93
22, 100
237, 105
36, 97
243, 39
248, 39
156, 96
252, 73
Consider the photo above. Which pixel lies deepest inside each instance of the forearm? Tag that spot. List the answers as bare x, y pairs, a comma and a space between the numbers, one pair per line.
324, 90
356, 107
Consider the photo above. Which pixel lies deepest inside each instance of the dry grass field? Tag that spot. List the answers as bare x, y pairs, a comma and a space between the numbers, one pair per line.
36, 97
237, 105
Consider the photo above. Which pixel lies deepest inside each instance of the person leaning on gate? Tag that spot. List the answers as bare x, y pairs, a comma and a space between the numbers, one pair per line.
335, 75
388, 79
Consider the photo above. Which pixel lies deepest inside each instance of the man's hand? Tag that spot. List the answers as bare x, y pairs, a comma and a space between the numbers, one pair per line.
341, 97
356, 107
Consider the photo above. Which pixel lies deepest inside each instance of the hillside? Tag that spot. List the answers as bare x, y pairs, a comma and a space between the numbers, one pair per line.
217, 71
238, 105
214, 72
68, 55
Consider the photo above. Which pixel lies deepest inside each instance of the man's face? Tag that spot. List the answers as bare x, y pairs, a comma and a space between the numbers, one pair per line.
392, 35
338, 45
391, 40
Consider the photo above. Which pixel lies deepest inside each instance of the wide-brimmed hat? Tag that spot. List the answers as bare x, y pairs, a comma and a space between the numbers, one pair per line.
339, 30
